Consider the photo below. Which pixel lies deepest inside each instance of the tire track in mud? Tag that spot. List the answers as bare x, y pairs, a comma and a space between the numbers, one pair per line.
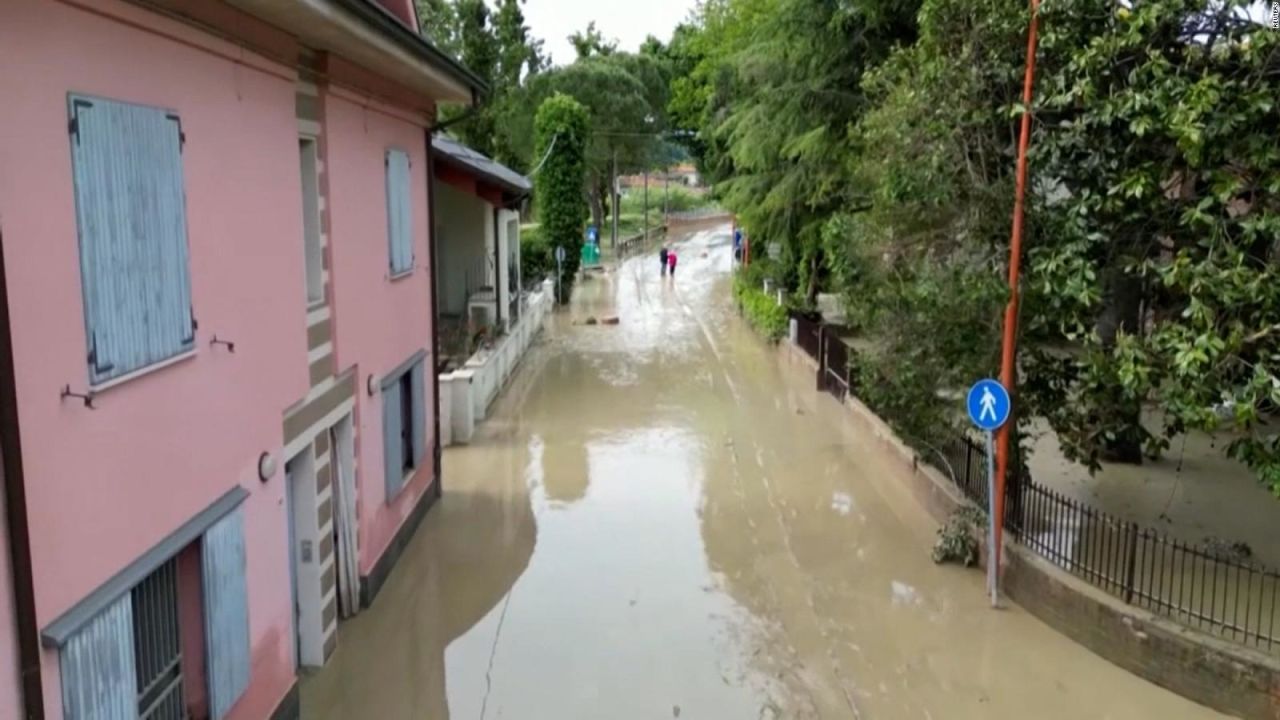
776, 511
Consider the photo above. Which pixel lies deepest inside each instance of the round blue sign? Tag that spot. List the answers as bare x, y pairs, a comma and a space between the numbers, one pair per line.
988, 404
592, 234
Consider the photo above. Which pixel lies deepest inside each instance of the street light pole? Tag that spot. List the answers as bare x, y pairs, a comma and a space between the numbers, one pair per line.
666, 191
646, 206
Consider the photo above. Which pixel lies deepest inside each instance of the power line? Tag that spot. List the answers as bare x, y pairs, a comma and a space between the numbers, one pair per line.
545, 155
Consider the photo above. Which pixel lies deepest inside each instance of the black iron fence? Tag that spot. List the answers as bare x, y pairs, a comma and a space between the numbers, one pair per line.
1212, 588
836, 370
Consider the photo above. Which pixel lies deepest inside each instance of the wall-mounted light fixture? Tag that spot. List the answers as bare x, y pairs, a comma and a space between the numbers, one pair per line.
372, 385
266, 466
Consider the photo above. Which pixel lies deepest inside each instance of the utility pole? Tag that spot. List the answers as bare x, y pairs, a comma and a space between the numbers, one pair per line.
613, 202
646, 206
666, 191
1008, 370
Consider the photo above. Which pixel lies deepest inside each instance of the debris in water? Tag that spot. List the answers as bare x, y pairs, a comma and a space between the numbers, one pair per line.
904, 594
958, 537
611, 320
675, 711
591, 320
842, 502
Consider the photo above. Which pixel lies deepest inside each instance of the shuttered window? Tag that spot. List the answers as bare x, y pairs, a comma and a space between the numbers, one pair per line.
404, 416
131, 214
226, 612
97, 667
399, 212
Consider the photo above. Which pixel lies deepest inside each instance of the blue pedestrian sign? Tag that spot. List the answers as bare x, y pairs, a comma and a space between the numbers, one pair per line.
988, 404
593, 235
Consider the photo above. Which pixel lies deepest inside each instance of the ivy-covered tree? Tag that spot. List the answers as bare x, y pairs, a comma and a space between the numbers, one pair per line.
561, 130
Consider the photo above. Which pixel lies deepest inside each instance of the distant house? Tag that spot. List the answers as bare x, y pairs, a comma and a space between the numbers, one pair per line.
216, 342
487, 314
687, 174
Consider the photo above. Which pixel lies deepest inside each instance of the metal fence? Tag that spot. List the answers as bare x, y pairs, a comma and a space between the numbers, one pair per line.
699, 214
808, 334
1196, 585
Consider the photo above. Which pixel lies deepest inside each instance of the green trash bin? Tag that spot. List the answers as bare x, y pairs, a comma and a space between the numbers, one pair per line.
590, 255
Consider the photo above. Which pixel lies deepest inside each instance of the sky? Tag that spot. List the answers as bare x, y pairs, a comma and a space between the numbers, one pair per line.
627, 21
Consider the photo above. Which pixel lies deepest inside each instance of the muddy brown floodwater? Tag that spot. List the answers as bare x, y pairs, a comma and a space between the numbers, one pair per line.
661, 519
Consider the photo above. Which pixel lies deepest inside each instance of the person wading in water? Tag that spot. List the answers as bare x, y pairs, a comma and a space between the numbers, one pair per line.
662, 259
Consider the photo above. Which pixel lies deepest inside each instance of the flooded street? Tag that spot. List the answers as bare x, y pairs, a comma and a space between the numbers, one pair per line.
662, 519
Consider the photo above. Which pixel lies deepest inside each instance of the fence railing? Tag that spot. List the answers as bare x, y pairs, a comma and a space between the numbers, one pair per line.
1196, 585
836, 369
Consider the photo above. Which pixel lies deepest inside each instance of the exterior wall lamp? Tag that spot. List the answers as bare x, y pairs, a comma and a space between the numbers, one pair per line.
266, 466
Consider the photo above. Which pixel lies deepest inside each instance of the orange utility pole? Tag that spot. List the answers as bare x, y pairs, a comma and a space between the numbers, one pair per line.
1008, 369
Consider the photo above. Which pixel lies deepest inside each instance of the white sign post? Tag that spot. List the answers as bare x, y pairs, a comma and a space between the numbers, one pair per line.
559, 272
988, 404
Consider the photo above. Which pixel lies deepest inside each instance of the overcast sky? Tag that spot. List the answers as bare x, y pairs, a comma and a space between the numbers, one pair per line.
627, 21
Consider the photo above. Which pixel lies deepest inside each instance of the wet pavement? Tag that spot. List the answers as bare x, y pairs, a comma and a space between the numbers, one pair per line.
662, 519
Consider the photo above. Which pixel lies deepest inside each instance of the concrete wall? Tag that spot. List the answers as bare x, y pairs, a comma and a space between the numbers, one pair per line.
378, 322
1226, 677
105, 485
472, 389
461, 219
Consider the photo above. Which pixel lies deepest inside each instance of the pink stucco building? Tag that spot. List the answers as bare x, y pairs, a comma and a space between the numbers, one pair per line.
217, 390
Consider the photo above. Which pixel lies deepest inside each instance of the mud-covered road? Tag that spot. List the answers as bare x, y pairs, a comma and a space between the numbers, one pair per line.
663, 519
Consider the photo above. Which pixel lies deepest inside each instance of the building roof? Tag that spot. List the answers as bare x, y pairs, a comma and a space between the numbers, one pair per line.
393, 25
366, 33
485, 168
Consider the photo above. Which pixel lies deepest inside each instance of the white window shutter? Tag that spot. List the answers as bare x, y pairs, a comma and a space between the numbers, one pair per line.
99, 681
391, 451
226, 613
417, 382
399, 212
131, 215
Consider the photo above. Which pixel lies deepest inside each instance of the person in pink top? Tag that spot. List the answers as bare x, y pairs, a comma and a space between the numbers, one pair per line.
671, 262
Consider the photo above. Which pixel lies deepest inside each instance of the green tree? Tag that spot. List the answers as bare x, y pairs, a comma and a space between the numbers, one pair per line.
1158, 178
498, 47
590, 42
479, 52
781, 143
561, 130
624, 95
438, 22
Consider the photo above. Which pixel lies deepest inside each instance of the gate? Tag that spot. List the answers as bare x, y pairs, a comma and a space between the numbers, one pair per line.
156, 646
